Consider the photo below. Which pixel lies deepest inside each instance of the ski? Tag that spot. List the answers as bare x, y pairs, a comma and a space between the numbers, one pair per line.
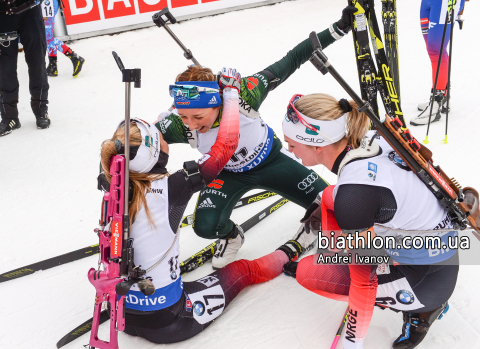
365, 21
94, 249
389, 14
191, 263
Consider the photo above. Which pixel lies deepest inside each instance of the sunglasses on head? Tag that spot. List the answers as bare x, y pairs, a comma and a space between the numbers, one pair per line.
189, 91
294, 115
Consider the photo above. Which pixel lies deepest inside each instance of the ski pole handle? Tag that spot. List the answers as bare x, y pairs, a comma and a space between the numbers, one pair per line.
318, 59
118, 60
160, 22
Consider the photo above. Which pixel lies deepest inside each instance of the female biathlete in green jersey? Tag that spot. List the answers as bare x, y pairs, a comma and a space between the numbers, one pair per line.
259, 161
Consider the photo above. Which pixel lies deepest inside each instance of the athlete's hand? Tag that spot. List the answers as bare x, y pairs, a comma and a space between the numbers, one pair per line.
229, 78
313, 218
345, 23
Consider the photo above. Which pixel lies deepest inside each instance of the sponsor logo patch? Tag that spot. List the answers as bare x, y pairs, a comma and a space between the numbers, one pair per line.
216, 184
252, 83
188, 303
312, 178
372, 171
199, 308
405, 297
207, 203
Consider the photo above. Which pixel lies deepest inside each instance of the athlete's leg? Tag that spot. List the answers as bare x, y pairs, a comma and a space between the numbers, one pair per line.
436, 12
356, 284
287, 177
204, 300
215, 203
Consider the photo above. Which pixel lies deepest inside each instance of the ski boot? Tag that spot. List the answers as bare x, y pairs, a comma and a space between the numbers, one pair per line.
416, 326
77, 62
52, 66
8, 125
439, 106
227, 248
300, 243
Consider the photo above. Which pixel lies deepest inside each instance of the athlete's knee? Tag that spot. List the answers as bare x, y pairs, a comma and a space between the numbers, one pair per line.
206, 223
210, 224
304, 270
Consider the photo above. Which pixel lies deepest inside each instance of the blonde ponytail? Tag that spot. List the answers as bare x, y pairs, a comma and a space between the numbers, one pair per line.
320, 106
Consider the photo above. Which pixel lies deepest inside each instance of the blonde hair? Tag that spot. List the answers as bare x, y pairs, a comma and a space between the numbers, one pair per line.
139, 182
196, 73
320, 106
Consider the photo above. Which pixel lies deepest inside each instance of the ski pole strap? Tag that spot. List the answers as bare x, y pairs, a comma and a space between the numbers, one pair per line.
274, 81
193, 173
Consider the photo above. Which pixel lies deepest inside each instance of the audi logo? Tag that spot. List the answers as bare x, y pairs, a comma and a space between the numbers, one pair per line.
303, 185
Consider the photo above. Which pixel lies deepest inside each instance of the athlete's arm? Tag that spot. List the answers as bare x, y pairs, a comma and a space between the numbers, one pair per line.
256, 87
222, 150
358, 206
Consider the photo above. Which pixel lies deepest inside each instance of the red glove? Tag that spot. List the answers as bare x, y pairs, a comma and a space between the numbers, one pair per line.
229, 77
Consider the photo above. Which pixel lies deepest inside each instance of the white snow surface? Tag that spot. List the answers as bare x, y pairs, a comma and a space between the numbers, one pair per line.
50, 205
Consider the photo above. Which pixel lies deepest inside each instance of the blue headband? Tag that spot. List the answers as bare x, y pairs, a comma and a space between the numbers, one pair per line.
203, 100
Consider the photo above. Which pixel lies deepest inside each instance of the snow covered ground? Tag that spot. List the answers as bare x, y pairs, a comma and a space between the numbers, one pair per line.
49, 204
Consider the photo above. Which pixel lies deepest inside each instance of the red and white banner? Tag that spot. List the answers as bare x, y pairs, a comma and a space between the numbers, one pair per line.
82, 16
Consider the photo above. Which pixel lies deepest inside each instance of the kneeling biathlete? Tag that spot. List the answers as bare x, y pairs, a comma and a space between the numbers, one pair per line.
178, 311
260, 161
377, 189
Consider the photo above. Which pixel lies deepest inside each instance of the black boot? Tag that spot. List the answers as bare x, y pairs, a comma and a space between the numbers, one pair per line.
416, 326
52, 66
43, 121
77, 62
8, 125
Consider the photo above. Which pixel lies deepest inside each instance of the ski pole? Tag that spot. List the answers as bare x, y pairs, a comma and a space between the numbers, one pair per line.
452, 24
450, 12
340, 330
160, 22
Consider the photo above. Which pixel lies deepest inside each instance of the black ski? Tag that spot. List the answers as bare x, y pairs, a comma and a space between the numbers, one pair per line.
365, 21
192, 263
389, 14
94, 249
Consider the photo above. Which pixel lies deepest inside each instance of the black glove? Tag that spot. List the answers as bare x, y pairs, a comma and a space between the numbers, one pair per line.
313, 219
345, 23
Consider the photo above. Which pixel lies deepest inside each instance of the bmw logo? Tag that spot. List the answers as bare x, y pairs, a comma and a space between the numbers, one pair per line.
199, 308
173, 275
405, 297
47, 3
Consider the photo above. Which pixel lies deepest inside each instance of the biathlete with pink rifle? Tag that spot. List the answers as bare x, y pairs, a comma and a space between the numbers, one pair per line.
180, 310
376, 191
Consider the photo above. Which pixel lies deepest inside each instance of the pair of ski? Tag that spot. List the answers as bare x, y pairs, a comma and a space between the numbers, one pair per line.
94, 249
193, 262
384, 80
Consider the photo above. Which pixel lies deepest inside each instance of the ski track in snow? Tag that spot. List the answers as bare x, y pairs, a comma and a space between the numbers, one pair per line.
49, 203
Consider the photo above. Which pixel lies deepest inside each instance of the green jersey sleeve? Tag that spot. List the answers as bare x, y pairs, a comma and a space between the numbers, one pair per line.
255, 88
172, 129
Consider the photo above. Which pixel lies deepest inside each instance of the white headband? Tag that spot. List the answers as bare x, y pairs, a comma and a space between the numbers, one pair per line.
328, 131
149, 150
